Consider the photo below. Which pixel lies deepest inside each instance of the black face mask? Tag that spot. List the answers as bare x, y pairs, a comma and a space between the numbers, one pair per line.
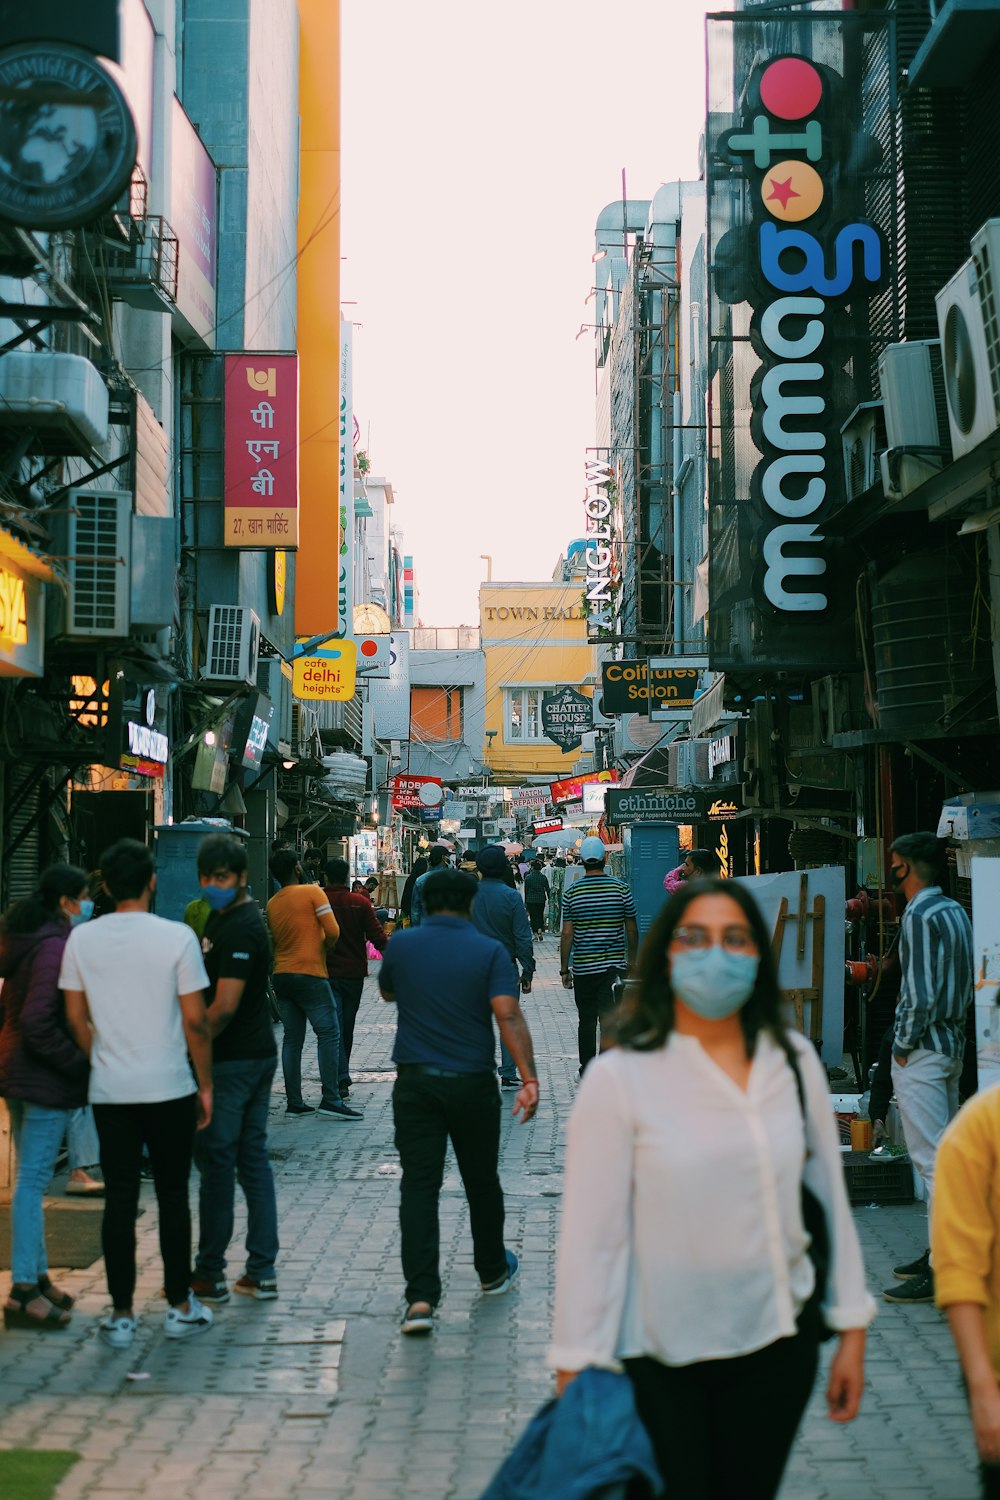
898, 877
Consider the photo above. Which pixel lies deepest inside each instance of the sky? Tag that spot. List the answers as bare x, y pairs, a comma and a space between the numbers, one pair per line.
480, 143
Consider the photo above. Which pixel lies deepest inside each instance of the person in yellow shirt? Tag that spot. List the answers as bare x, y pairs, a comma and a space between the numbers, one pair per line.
965, 1250
303, 931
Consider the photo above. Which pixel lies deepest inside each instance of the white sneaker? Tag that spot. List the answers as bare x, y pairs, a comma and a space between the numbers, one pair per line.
117, 1331
181, 1325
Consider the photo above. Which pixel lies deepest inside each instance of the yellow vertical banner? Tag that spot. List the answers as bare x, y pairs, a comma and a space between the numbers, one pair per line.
318, 339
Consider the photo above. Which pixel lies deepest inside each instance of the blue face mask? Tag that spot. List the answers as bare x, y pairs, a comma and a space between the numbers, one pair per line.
219, 896
84, 914
713, 983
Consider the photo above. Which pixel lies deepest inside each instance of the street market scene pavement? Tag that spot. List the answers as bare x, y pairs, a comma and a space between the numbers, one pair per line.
319, 1394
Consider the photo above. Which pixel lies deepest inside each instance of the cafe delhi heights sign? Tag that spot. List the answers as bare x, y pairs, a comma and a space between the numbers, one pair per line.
261, 473
805, 261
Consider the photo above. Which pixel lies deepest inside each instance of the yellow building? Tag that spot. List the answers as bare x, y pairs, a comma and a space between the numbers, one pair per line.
534, 637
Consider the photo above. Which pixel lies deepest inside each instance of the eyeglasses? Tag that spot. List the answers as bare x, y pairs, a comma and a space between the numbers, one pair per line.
734, 939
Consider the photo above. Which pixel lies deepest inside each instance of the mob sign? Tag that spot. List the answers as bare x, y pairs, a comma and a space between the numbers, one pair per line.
633, 685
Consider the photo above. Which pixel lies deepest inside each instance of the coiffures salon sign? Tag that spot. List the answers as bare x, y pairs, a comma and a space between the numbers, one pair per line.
630, 686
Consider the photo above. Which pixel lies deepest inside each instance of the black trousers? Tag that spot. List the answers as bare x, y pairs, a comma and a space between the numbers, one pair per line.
167, 1131
592, 993
536, 916
723, 1428
428, 1112
990, 1476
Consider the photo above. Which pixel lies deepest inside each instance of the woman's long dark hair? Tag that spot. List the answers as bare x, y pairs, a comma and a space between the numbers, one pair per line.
420, 867
646, 1017
33, 911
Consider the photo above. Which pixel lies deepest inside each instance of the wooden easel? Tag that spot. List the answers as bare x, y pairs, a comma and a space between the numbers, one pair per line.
801, 920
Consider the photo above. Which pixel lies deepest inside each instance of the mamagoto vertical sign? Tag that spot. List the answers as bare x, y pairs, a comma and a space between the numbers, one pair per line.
792, 273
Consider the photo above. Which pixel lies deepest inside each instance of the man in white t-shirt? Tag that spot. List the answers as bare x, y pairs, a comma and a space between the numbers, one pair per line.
134, 988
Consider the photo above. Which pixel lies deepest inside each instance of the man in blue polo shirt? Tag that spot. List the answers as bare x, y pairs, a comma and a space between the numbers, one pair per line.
447, 982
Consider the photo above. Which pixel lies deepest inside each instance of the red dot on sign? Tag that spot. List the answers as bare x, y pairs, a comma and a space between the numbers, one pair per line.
791, 88
369, 648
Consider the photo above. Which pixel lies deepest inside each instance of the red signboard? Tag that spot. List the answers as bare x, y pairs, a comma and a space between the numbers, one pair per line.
572, 791
261, 474
547, 825
416, 791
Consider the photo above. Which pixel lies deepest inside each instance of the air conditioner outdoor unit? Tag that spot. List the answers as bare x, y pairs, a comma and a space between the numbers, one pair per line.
861, 438
918, 440
274, 677
986, 258
98, 547
233, 645
491, 829
972, 412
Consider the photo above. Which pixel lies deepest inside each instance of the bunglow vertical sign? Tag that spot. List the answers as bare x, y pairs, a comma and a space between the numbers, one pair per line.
262, 451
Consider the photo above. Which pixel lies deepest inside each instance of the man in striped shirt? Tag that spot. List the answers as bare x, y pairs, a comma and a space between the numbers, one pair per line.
935, 955
599, 927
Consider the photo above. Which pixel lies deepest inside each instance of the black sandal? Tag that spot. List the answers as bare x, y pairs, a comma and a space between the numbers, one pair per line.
52, 1294
19, 1316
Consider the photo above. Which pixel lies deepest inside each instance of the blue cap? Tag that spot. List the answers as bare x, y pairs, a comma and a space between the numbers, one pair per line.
593, 849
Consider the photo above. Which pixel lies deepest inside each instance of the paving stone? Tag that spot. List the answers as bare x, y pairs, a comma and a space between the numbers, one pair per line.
260, 1409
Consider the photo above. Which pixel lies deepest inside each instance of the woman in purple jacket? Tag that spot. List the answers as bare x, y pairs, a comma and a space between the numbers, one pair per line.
43, 1077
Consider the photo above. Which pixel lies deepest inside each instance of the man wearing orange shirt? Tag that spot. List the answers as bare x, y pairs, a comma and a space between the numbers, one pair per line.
304, 930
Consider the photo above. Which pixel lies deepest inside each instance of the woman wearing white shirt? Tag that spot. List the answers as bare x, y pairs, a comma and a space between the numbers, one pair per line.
682, 1252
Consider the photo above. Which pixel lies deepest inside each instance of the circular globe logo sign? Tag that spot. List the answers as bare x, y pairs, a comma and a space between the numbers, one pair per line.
67, 137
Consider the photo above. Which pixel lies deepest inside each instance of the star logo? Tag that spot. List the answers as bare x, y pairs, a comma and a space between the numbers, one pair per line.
782, 191
792, 191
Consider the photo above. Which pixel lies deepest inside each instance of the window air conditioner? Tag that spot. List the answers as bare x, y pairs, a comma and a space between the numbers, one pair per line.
986, 258
98, 547
972, 412
911, 376
233, 645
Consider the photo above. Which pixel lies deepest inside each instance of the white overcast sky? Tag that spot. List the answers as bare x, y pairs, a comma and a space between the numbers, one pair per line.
480, 142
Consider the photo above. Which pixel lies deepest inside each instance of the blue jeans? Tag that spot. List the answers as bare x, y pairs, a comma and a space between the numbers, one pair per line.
81, 1139
347, 993
38, 1134
302, 998
235, 1147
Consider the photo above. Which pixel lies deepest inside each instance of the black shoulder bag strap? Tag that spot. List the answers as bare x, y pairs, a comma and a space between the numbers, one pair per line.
815, 1222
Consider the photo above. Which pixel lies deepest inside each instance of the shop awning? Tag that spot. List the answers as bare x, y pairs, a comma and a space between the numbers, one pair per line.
26, 558
651, 769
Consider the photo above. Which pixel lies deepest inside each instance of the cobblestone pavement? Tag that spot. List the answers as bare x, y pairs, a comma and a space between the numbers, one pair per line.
317, 1394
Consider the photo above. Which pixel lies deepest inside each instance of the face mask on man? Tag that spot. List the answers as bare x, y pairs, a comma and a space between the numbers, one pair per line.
898, 874
713, 982
219, 896
84, 914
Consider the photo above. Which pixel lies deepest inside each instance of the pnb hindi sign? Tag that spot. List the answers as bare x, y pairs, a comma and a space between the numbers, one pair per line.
261, 454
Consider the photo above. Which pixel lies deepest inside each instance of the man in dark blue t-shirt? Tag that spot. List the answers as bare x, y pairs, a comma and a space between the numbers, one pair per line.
448, 981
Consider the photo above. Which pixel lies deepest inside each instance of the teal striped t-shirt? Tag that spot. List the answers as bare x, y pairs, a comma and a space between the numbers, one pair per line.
598, 906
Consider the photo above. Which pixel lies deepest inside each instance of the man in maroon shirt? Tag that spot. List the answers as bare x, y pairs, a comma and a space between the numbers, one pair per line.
348, 963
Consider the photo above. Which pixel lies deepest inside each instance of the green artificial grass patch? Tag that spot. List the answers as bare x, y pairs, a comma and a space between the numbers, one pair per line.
33, 1475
